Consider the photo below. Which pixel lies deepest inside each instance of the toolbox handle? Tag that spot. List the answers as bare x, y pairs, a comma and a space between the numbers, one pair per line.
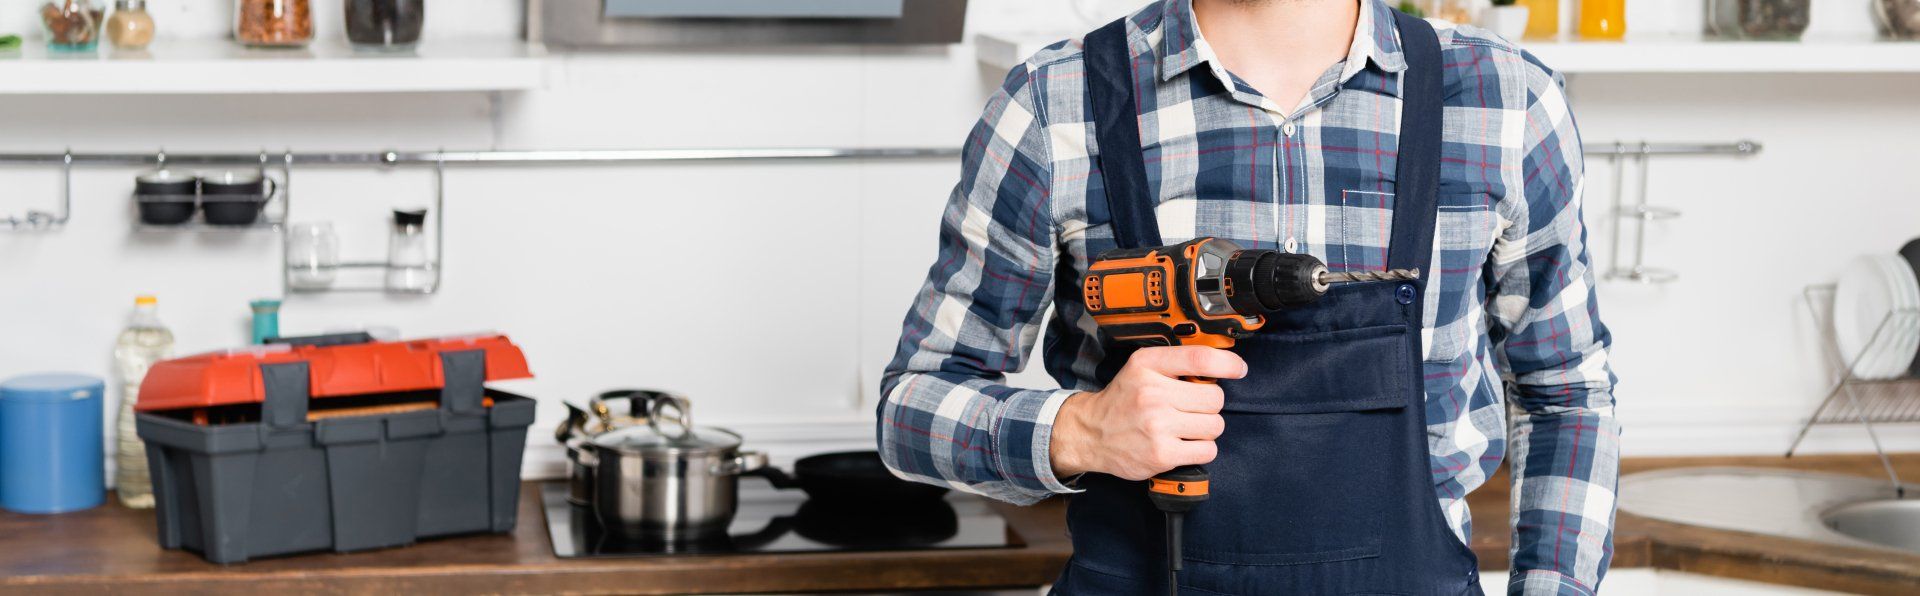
287, 391
321, 341
465, 375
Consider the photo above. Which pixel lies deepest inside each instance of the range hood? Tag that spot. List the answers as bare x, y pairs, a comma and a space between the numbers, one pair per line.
615, 24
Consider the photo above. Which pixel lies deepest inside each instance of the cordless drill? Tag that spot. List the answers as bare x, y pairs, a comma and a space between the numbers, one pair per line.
1202, 292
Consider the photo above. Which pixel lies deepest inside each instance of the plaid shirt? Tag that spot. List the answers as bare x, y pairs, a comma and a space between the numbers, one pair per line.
1510, 312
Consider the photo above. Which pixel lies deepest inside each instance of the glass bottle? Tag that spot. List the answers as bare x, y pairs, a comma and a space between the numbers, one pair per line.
130, 27
408, 267
273, 23
1603, 19
1543, 18
72, 25
144, 342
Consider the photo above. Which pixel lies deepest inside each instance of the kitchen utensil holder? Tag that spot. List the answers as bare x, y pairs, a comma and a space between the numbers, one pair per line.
435, 263
1854, 400
271, 219
35, 219
1641, 213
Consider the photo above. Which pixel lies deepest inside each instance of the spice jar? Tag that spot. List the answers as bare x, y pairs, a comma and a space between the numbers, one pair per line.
72, 25
273, 23
385, 24
1758, 19
130, 27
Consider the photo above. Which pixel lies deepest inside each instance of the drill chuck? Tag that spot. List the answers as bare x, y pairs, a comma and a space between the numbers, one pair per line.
1269, 280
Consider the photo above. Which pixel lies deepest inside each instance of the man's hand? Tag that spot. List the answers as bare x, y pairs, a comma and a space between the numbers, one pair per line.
1146, 421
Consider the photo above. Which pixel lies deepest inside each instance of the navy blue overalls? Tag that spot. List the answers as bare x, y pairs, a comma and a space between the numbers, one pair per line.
1322, 483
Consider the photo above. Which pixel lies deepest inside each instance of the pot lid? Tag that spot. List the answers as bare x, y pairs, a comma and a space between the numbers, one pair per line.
643, 439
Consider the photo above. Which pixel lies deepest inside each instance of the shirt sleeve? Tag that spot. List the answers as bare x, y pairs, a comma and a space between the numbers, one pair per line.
945, 416
1552, 350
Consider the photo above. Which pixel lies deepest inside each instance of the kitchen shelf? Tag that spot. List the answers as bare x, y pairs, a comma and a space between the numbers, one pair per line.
1638, 54
220, 66
198, 226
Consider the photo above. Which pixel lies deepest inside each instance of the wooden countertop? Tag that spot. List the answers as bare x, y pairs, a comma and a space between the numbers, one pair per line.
112, 549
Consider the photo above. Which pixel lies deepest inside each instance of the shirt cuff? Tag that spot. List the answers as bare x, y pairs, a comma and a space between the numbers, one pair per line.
1539, 582
1043, 442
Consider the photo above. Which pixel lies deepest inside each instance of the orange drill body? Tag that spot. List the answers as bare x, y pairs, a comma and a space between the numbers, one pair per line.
1167, 296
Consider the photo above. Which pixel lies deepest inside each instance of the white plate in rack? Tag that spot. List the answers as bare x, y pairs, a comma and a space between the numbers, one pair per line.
1906, 321
1868, 295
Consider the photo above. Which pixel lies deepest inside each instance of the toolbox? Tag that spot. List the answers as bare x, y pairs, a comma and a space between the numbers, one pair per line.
334, 443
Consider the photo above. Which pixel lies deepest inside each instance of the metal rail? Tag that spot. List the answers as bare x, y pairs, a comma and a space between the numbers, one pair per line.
1741, 147
1641, 214
452, 158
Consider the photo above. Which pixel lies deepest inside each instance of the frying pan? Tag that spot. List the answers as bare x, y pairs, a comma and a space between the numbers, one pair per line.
1912, 253
852, 478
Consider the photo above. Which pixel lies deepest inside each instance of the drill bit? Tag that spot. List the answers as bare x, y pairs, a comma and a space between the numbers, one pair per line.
1335, 277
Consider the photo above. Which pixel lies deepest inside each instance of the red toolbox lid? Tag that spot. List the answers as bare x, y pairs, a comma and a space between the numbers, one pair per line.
233, 376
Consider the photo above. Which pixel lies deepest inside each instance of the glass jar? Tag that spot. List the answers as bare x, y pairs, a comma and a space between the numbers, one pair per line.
1758, 19
130, 27
409, 268
72, 25
385, 24
1543, 18
1603, 19
313, 255
273, 23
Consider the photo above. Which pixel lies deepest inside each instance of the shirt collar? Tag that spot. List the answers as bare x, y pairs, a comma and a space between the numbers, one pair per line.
1182, 47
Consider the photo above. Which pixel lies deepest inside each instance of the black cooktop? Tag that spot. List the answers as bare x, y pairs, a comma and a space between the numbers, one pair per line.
771, 520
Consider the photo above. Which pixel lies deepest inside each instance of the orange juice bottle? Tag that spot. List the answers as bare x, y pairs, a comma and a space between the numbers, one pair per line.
1543, 18
1603, 19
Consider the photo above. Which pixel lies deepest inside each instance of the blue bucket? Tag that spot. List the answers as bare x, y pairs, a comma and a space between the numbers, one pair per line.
52, 457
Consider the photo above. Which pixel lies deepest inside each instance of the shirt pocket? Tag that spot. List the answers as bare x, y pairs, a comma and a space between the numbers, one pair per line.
1465, 227
1359, 230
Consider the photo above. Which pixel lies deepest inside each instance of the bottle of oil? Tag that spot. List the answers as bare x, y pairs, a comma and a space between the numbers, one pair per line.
144, 342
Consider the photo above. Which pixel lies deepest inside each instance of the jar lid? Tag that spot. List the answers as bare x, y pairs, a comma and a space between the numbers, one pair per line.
644, 440
130, 4
51, 387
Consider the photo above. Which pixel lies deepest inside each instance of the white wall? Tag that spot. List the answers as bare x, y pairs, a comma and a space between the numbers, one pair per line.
771, 293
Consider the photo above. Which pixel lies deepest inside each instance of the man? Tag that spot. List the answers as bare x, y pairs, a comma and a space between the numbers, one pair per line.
1342, 445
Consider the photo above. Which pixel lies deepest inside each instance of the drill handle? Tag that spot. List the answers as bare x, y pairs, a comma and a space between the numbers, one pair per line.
1178, 489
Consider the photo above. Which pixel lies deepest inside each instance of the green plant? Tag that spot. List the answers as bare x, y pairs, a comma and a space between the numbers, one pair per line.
1412, 10
8, 42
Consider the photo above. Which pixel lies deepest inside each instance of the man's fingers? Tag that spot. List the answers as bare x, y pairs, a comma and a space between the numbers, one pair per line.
1194, 453
1198, 426
1192, 361
1199, 398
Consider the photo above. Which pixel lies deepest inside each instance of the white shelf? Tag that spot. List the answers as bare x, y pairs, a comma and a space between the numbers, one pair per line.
1693, 54
1638, 54
217, 66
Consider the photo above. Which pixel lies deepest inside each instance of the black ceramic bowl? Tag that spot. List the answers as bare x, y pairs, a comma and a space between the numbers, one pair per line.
234, 198
165, 197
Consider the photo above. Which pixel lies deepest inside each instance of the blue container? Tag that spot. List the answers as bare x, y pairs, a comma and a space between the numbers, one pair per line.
51, 450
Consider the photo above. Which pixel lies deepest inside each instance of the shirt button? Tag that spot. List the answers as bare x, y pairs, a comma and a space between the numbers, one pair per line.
1291, 244
1404, 294
1287, 128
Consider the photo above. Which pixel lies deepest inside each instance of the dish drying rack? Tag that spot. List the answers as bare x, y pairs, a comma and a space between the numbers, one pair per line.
1855, 400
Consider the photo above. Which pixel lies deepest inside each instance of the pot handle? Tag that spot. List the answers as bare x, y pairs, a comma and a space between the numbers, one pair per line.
682, 417
745, 463
775, 476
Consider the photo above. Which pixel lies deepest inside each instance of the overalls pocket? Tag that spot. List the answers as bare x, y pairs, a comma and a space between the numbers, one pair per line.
1292, 485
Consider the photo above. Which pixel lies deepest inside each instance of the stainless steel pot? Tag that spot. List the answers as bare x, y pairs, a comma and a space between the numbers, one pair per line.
665, 478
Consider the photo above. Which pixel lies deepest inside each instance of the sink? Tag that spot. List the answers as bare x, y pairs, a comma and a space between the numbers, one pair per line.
1893, 523
1826, 508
